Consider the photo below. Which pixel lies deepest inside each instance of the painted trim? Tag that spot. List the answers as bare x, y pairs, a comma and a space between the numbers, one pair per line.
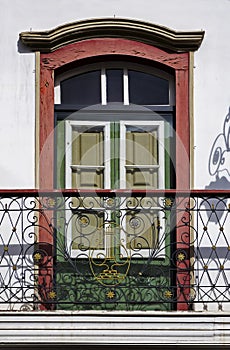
148, 33
191, 113
37, 116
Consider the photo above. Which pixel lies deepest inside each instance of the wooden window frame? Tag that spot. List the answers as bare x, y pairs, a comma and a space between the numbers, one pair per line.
125, 67
51, 62
179, 63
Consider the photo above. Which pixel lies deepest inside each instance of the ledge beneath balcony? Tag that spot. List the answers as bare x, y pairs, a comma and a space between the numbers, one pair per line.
161, 329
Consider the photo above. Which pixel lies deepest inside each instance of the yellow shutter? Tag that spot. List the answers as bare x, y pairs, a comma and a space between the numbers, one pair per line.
87, 159
87, 172
142, 151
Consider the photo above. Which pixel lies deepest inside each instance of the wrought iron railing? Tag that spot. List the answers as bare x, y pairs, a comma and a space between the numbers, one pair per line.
114, 250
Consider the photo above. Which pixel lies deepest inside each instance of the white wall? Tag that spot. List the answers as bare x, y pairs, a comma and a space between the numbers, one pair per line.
211, 85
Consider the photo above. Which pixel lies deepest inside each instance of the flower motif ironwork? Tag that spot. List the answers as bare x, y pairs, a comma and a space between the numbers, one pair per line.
168, 202
181, 256
52, 294
134, 222
51, 202
110, 294
168, 294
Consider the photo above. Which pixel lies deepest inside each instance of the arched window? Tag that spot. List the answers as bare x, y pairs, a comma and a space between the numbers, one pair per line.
115, 81
114, 124
121, 119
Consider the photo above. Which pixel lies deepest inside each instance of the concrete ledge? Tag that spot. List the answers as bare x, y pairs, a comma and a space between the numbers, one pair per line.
115, 328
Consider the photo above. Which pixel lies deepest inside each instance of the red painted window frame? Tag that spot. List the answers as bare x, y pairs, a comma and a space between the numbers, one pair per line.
50, 62
96, 48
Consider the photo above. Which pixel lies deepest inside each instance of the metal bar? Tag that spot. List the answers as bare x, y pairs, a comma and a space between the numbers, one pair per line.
102, 192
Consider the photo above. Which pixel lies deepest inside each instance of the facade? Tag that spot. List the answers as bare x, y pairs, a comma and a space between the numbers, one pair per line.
115, 174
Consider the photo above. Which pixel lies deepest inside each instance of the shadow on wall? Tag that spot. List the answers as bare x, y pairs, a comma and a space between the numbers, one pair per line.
22, 48
219, 166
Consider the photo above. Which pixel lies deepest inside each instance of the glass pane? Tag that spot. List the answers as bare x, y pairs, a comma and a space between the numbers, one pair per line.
147, 89
114, 85
83, 89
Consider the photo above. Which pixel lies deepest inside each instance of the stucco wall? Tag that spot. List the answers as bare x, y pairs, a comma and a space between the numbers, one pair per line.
17, 87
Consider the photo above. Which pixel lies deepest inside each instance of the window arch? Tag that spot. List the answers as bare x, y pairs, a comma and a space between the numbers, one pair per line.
96, 38
115, 81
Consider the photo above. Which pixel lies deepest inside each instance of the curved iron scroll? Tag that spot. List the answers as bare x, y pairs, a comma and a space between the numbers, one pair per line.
113, 251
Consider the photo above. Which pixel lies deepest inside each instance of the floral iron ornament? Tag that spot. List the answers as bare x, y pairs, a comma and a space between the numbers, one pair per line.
110, 268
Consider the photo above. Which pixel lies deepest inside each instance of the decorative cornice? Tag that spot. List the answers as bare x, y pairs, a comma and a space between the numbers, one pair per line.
163, 37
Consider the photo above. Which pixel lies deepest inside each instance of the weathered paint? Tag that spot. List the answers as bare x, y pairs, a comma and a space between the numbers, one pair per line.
101, 48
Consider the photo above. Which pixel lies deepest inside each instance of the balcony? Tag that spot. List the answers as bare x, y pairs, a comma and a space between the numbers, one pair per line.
114, 250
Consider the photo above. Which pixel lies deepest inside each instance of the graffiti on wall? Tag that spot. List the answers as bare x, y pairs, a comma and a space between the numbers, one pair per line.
219, 168
219, 159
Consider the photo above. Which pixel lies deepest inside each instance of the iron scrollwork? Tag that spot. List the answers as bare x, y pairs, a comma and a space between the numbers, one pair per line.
131, 252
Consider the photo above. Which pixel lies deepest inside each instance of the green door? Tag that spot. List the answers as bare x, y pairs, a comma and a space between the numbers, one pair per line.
113, 250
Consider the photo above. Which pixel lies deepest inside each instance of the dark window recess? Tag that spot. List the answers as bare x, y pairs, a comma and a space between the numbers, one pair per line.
146, 89
83, 89
114, 85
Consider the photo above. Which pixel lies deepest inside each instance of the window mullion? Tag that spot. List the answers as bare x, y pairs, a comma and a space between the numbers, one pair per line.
126, 86
103, 87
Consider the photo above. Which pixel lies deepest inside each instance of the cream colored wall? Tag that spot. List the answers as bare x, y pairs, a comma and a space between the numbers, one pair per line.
17, 87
